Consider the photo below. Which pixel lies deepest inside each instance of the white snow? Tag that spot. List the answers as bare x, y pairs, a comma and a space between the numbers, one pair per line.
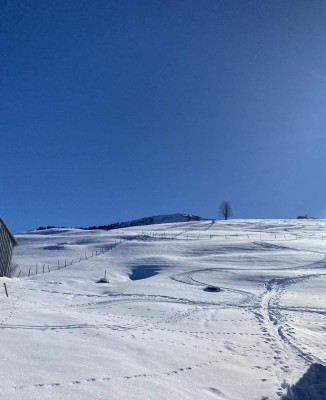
66, 336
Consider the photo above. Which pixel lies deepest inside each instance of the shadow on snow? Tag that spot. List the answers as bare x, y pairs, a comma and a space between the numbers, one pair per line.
311, 386
143, 272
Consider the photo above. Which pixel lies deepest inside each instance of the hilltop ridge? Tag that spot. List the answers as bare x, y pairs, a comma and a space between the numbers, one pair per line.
152, 220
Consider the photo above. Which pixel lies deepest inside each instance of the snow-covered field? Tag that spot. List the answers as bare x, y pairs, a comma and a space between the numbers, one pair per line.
153, 332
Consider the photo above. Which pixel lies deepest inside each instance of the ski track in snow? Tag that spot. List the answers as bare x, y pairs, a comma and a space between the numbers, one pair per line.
289, 354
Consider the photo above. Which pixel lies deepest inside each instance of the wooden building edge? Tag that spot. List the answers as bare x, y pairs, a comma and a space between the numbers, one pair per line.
7, 244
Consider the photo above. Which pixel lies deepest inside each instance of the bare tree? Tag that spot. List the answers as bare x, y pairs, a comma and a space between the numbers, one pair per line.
225, 210
11, 270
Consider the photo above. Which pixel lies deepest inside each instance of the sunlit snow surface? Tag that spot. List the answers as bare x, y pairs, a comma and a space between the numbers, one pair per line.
65, 336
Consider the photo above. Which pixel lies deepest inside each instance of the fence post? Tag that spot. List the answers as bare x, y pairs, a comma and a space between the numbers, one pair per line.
6, 289
29, 272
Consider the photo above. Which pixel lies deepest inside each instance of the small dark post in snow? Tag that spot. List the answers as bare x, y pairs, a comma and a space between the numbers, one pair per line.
36, 269
65, 263
43, 268
6, 289
29, 271
19, 273
49, 268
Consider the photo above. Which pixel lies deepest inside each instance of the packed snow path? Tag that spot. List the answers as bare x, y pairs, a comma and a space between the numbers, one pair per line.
153, 331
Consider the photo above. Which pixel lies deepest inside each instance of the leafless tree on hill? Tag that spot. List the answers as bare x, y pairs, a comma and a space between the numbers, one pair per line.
225, 210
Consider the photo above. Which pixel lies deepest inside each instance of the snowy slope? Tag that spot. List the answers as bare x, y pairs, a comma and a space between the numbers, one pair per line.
65, 336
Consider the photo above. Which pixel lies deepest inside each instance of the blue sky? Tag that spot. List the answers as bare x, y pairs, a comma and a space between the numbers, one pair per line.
114, 110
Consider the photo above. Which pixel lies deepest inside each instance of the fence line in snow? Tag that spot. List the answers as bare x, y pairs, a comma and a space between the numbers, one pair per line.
252, 236
46, 268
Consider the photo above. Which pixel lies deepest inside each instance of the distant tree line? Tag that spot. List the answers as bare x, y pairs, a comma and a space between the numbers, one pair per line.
118, 225
42, 228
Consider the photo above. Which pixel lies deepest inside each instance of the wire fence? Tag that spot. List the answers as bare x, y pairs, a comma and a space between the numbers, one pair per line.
185, 235
42, 268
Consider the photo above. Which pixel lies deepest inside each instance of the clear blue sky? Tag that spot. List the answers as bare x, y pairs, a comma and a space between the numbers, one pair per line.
114, 110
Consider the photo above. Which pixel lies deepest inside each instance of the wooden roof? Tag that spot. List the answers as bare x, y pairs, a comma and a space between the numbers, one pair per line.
14, 241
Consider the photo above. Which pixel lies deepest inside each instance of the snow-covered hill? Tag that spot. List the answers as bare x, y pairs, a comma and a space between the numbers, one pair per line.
153, 331
154, 220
